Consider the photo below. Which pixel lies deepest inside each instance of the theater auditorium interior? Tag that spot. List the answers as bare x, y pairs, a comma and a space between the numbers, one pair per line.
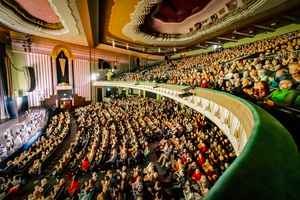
149, 99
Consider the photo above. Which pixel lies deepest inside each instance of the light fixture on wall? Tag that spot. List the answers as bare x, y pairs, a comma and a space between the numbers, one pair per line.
94, 76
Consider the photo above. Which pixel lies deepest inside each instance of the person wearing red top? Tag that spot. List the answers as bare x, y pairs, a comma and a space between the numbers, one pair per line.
200, 160
73, 186
184, 158
85, 164
14, 189
202, 147
204, 84
196, 175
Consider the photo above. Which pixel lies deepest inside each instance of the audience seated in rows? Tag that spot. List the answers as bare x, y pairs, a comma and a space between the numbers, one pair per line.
132, 148
271, 77
13, 138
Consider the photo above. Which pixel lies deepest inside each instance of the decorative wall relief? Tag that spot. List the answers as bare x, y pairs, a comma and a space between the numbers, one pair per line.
62, 68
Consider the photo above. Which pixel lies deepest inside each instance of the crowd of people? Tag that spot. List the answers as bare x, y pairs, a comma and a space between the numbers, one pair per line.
267, 71
31, 162
129, 148
14, 137
139, 148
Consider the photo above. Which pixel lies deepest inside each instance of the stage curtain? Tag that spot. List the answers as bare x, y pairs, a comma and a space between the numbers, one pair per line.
42, 69
82, 78
3, 83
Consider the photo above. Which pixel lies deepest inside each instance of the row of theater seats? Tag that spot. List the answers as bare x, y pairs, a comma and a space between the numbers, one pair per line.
266, 71
130, 148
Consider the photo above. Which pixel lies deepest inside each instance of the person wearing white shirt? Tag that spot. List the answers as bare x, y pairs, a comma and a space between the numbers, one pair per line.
18, 140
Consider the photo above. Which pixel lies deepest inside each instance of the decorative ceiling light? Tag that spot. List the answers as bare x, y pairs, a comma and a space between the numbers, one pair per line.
174, 49
273, 24
127, 46
113, 44
159, 50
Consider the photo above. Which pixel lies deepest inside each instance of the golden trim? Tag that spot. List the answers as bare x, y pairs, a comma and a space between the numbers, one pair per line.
86, 21
67, 51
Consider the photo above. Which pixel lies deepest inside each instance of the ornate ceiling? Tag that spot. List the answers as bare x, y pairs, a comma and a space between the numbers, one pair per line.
144, 26
55, 19
160, 26
43, 12
177, 10
68, 21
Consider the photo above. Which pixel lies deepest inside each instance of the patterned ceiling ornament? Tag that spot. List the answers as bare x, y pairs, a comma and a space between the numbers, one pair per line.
143, 8
9, 17
26, 16
67, 11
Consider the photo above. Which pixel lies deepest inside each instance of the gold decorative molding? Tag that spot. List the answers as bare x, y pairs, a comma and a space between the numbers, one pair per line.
67, 51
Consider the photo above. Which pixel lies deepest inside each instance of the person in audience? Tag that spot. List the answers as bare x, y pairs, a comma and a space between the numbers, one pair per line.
276, 61
294, 70
141, 148
74, 186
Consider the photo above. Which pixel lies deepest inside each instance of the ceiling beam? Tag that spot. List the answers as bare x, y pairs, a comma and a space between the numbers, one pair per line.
201, 46
86, 21
290, 18
242, 34
211, 42
262, 27
227, 39
129, 52
95, 8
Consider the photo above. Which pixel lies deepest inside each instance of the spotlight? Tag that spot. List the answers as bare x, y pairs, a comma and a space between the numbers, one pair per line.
94, 76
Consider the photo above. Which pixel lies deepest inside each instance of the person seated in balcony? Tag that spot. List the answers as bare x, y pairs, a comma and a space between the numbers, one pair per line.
260, 90
294, 70
286, 95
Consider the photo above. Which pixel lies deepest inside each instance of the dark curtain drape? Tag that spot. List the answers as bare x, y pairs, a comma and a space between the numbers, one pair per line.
3, 82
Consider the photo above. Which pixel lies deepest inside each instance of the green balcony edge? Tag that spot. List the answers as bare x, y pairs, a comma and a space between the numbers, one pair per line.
267, 168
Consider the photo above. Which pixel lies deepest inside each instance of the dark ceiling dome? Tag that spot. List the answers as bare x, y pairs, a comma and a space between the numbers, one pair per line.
178, 10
